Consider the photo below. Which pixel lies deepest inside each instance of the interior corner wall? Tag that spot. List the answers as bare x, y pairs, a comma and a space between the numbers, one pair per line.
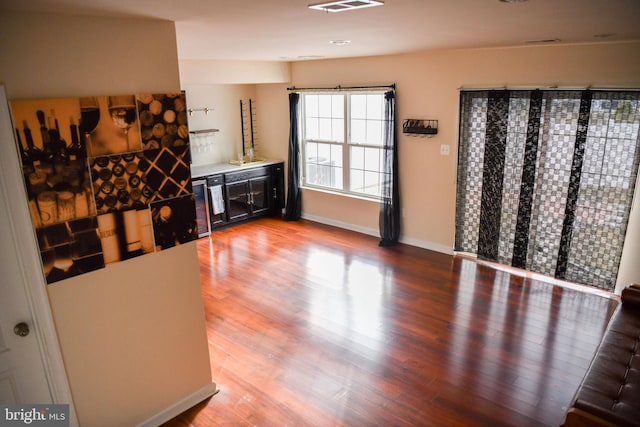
428, 86
273, 121
133, 334
223, 145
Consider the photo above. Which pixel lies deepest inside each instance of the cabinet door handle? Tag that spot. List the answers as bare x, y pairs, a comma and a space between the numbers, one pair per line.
275, 193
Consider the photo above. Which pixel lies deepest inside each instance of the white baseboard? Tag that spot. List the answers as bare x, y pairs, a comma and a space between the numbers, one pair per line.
436, 247
180, 406
425, 244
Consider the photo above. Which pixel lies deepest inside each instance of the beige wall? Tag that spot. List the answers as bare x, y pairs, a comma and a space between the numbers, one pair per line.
133, 334
428, 87
207, 71
273, 120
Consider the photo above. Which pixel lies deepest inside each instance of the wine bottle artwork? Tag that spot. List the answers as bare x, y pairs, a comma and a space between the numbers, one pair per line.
89, 116
24, 156
47, 152
34, 153
98, 173
76, 149
57, 144
123, 113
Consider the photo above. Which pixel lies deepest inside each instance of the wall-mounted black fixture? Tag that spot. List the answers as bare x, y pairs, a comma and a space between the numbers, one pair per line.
420, 127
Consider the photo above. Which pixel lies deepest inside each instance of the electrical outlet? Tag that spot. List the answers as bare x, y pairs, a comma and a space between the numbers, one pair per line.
444, 149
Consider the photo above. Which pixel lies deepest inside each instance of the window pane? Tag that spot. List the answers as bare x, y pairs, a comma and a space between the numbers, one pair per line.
337, 106
319, 173
366, 119
374, 107
356, 179
357, 158
371, 159
311, 128
374, 132
336, 155
371, 183
310, 173
324, 107
358, 107
325, 129
324, 175
337, 178
337, 129
311, 150
311, 105
311, 159
324, 153
323, 165
358, 132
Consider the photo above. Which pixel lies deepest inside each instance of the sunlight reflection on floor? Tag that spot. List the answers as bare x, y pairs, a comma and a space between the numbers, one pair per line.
357, 315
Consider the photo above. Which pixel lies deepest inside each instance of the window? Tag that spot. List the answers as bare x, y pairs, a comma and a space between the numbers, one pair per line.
342, 142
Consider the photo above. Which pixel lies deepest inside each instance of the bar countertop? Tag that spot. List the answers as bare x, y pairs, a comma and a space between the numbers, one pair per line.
200, 171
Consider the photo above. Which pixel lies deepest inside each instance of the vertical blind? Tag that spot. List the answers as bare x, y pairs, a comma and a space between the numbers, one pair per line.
546, 179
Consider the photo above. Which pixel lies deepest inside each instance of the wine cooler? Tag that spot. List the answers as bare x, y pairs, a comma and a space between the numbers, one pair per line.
202, 207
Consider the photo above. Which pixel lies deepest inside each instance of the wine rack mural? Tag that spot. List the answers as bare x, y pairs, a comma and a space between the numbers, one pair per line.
108, 178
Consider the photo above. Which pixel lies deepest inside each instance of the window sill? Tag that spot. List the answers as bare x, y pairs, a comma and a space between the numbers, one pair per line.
373, 199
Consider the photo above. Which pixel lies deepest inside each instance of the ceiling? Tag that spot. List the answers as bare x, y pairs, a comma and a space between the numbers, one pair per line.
287, 30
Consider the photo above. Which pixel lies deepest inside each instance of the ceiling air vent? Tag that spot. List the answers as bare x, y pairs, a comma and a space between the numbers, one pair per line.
342, 5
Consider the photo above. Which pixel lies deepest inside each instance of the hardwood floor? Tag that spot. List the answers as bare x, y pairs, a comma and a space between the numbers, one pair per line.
310, 325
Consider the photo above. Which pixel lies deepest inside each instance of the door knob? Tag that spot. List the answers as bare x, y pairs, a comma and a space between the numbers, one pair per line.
21, 329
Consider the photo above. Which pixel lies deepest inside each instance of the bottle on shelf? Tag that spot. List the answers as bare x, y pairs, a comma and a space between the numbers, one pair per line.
33, 153
47, 150
24, 157
76, 150
58, 145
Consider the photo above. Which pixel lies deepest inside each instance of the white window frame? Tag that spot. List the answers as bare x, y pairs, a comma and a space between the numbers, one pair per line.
345, 145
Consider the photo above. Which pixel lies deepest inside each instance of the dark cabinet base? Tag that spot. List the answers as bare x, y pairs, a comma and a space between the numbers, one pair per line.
245, 194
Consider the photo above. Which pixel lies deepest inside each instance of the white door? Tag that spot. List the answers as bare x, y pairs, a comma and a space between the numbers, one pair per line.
22, 375
31, 368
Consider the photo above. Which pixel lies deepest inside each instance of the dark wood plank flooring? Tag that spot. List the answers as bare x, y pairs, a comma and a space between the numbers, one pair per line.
310, 325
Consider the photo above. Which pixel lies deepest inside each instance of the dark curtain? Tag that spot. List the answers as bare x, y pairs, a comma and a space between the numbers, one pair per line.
390, 203
546, 179
493, 166
293, 209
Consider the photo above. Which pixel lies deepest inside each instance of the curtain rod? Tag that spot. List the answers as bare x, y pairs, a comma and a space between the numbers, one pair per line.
391, 86
552, 87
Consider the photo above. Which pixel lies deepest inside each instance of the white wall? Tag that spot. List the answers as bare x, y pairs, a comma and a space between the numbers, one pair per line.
133, 334
221, 146
629, 272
